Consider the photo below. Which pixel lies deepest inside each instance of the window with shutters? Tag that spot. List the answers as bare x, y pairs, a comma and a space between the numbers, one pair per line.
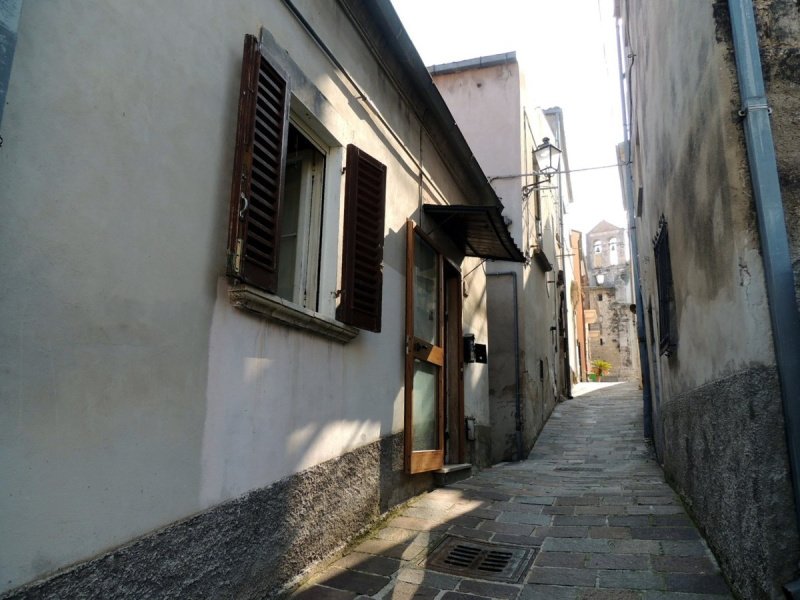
300, 224
278, 213
667, 323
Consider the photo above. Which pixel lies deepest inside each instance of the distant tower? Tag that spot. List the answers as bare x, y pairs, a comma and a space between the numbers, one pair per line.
607, 309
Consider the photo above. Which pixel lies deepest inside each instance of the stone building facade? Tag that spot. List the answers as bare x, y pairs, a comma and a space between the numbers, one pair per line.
715, 189
608, 301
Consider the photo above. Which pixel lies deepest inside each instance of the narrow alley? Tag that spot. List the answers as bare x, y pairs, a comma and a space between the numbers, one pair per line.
390, 299
587, 515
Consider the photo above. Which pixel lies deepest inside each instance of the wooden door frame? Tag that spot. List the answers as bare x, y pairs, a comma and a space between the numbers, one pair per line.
425, 460
454, 363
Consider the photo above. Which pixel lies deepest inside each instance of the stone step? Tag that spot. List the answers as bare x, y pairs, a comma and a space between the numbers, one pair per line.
452, 473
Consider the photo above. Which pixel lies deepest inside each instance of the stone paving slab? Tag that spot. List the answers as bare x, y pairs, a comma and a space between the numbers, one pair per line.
589, 500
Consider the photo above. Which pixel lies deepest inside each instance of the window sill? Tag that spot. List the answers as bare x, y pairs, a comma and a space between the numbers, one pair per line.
275, 308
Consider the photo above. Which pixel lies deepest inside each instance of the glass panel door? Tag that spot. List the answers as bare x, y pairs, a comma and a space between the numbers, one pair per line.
424, 435
423, 409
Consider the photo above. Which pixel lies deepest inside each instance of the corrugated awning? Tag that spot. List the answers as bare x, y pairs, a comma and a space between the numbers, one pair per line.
478, 230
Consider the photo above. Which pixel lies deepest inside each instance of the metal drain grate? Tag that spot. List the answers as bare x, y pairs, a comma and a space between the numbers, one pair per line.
479, 560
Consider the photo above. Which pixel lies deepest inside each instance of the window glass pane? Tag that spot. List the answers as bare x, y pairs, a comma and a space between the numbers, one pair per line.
426, 286
301, 222
287, 258
424, 411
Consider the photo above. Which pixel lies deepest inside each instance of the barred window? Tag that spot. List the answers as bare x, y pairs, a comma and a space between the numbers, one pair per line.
667, 324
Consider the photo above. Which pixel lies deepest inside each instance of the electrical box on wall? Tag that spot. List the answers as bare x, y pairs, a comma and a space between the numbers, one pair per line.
469, 348
474, 353
480, 353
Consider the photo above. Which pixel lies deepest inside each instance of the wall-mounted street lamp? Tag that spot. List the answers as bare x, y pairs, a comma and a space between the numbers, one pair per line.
548, 159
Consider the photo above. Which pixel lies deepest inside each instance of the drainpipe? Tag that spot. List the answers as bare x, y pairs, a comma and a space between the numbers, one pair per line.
772, 230
641, 335
517, 388
9, 24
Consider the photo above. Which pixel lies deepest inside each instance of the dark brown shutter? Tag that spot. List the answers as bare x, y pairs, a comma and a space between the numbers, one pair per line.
258, 168
362, 270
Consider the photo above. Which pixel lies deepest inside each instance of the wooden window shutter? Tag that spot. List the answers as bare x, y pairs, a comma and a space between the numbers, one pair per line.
258, 170
364, 213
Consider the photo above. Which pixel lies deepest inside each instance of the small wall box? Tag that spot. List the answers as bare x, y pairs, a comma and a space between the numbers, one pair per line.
474, 353
480, 353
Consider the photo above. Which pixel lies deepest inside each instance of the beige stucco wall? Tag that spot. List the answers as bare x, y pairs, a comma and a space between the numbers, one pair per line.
133, 394
489, 105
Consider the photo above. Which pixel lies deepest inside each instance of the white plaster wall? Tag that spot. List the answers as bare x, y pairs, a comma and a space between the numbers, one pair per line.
133, 395
476, 375
489, 105
485, 103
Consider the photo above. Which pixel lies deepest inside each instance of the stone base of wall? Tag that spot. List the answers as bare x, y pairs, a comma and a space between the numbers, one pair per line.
725, 453
253, 546
479, 452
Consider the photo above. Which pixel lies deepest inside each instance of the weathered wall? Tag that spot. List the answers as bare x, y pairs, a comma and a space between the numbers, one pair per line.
717, 408
490, 104
778, 23
610, 336
735, 489
133, 394
476, 375
250, 547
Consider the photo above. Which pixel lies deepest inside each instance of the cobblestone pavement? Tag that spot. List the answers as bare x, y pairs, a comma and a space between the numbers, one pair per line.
589, 503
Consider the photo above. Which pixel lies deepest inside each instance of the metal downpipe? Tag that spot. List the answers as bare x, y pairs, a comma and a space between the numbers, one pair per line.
9, 27
517, 388
641, 334
778, 273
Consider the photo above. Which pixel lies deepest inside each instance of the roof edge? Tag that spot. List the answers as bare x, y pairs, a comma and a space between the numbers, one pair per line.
380, 26
479, 62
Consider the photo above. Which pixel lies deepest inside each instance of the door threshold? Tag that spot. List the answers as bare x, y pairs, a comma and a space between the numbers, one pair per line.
451, 473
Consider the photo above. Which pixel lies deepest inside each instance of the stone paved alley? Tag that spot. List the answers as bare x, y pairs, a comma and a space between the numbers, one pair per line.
589, 509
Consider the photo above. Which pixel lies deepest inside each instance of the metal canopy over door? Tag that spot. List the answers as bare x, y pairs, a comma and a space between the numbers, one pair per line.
425, 354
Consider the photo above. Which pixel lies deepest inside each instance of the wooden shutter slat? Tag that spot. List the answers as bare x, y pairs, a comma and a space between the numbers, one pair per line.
265, 217
259, 161
270, 94
252, 249
270, 178
261, 195
268, 120
264, 231
364, 214
269, 84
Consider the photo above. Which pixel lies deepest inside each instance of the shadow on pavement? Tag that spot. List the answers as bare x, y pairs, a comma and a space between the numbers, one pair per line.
589, 501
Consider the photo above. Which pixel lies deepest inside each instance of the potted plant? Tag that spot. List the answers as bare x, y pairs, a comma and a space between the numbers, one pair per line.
600, 368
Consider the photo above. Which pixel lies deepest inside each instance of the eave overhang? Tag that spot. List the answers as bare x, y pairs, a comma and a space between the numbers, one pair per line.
478, 231
381, 28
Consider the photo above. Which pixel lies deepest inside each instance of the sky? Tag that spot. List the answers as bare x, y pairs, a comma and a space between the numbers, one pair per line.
567, 50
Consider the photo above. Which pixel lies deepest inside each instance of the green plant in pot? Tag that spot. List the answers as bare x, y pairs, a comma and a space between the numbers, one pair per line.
600, 368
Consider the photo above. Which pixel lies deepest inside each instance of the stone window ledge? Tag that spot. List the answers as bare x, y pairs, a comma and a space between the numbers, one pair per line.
275, 308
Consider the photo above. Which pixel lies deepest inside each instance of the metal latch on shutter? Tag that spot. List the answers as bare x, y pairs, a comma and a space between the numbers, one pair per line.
243, 203
237, 256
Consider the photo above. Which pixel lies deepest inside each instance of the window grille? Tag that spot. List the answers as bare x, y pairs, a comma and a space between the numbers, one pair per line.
667, 326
